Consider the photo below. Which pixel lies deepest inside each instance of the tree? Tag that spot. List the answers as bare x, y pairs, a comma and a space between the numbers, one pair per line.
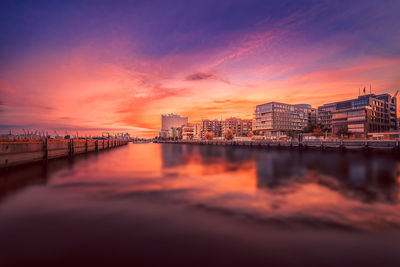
209, 135
318, 132
228, 135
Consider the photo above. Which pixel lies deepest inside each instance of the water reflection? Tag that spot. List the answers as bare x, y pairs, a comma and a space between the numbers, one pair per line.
365, 177
169, 200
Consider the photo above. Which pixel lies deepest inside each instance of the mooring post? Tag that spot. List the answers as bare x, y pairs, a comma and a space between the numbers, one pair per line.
96, 145
86, 145
342, 146
366, 146
71, 147
45, 150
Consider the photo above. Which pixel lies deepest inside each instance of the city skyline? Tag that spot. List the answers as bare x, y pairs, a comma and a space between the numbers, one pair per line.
85, 65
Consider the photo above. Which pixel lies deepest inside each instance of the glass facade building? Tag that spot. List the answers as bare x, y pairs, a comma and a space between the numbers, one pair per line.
368, 113
276, 119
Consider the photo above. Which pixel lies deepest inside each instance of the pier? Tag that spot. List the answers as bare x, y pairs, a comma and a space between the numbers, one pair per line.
328, 144
13, 153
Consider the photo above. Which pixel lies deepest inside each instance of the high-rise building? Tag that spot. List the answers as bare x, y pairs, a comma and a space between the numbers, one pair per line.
169, 122
239, 127
369, 113
274, 119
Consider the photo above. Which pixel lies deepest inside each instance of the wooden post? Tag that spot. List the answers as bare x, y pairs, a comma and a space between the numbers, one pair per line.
86, 145
71, 147
45, 150
96, 145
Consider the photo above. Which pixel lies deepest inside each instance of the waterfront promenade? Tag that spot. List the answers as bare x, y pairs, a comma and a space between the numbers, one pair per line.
327, 144
13, 153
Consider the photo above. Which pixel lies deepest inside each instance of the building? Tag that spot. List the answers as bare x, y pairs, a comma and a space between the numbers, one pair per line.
275, 119
214, 126
369, 113
324, 117
239, 127
188, 131
197, 130
170, 121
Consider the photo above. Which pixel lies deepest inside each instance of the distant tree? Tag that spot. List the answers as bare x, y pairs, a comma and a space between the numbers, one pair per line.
209, 135
228, 135
318, 132
67, 136
251, 134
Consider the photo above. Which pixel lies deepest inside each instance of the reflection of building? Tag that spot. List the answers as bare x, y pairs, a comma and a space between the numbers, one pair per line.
370, 179
275, 119
239, 127
170, 121
366, 114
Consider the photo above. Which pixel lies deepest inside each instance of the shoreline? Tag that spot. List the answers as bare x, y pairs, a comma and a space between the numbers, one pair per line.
392, 146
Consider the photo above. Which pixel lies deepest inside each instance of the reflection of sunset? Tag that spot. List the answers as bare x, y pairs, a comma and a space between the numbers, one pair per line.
250, 182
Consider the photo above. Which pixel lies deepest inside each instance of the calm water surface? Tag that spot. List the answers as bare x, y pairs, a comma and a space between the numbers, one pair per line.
188, 205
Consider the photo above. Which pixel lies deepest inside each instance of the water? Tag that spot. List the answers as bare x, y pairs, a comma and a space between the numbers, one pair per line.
190, 205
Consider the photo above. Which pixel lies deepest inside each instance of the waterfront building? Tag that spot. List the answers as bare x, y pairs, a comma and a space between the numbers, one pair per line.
197, 131
324, 117
275, 119
214, 126
239, 127
170, 121
369, 113
188, 131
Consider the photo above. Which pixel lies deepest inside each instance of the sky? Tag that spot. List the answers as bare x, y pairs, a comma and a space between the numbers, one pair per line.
119, 65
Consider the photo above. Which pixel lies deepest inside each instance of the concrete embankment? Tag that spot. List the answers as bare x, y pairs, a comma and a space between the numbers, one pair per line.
14, 153
328, 144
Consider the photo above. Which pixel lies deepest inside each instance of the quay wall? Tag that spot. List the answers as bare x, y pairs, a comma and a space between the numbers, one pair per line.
14, 153
328, 144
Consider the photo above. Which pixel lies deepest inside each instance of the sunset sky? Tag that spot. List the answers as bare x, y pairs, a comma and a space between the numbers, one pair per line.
121, 64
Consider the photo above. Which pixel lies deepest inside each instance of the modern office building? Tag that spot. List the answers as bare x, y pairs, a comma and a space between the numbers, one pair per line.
369, 113
170, 122
214, 126
324, 116
275, 119
239, 127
